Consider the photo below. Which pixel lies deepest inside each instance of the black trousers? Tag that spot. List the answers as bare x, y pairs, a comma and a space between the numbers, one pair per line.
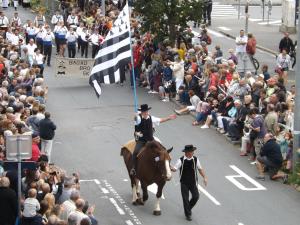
207, 14
122, 74
235, 130
84, 48
79, 42
138, 146
47, 53
71, 50
39, 44
95, 49
188, 204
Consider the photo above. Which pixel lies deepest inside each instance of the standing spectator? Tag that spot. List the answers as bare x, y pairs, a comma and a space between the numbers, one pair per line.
241, 43
47, 131
283, 63
188, 166
271, 120
8, 203
286, 43
251, 45
207, 8
271, 158
258, 130
78, 214
35, 146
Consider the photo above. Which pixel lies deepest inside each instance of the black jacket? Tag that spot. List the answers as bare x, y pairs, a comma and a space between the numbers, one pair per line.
272, 151
8, 206
47, 128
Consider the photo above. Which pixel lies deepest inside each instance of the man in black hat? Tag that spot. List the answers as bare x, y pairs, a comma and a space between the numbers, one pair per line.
188, 166
144, 125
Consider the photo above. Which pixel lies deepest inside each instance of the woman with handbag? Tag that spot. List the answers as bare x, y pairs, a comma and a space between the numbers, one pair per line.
282, 65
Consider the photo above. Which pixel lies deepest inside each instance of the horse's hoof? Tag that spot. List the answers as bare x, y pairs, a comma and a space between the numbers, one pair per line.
156, 213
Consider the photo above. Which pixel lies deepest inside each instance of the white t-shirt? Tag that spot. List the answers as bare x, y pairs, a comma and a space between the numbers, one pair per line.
155, 121
31, 206
241, 48
178, 163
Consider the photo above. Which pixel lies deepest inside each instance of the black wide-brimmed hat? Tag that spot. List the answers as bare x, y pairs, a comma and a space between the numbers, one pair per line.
144, 108
189, 148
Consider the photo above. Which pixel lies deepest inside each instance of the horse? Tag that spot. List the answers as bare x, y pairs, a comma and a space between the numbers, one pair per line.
153, 166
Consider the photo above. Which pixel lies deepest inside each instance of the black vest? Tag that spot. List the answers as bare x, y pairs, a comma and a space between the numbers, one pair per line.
146, 128
188, 171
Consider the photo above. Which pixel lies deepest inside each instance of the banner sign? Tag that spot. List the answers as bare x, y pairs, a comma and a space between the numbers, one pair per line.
73, 67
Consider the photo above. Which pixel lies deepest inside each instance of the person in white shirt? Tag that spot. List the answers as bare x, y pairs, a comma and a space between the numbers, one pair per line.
38, 60
15, 38
69, 205
85, 38
61, 32
71, 41
39, 19
31, 31
16, 4
96, 40
16, 19
31, 206
47, 44
4, 22
283, 63
78, 215
39, 37
31, 46
79, 31
72, 20
240, 49
57, 18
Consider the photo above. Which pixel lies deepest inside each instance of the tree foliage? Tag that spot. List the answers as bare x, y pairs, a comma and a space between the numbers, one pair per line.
165, 17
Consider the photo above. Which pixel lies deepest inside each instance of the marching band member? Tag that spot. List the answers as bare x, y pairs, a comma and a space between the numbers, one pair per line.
72, 20
85, 37
39, 19
96, 40
78, 32
57, 18
39, 38
61, 31
16, 19
3, 21
31, 32
71, 40
47, 44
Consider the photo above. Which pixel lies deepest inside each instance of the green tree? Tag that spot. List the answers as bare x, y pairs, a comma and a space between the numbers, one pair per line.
166, 17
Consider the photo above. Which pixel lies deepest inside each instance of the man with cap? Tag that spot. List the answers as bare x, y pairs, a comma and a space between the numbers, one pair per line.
144, 125
188, 166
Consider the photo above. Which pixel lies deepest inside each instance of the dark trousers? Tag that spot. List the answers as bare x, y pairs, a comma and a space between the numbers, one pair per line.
47, 53
138, 146
188, 204
207, 14
235, 130
79, 42
84, 48
122, 74
225, 124
39, 44
71, 50
57, 45
95, 49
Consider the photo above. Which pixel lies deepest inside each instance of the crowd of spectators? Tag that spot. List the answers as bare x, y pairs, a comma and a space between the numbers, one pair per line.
49, 195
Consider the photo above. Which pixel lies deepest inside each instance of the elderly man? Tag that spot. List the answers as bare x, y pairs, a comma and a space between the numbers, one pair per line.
270, 157
78, 214
69, 205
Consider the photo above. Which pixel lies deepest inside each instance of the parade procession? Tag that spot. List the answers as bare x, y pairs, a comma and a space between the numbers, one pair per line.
142, 112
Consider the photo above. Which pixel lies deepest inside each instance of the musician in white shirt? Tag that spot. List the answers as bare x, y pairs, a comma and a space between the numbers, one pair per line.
79, 31
31, 31
16, 19
39, 19
57, 18
96, 40
39, 37
71, 41
72, 20
3, 20
61, 32
38, 59
85, 38
47, 44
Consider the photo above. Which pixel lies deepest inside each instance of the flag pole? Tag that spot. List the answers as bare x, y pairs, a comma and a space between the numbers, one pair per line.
132, 67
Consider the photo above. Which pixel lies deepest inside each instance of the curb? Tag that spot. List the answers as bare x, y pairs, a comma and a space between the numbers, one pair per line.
257, 46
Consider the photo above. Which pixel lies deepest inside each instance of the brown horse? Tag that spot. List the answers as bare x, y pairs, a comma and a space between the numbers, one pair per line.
153, 166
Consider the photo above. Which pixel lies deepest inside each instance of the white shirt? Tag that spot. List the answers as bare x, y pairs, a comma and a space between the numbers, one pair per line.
72, 19
61, 30
39, 20
178, 163
83, 36
155, 120
241, 48
57, 18
95, 39
71, 37
69, 207
49, 36
4, 21
31, 205
14, 39
31, 48
79, 216
39, 59
40, 33
31, 30
16, 19
79, 30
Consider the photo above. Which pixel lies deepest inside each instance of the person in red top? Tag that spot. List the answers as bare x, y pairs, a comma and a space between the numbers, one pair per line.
137, 61
251, 45
213, 78
35, 146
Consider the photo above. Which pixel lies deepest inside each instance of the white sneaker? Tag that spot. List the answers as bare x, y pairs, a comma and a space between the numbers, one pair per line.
166, 100
154, 92
148, 87
204, 126
150, 92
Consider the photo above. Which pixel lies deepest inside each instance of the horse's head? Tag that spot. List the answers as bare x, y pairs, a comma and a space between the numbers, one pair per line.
162, 159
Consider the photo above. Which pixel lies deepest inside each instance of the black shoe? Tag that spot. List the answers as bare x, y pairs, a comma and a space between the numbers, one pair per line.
48, 65
285, 178
188, 218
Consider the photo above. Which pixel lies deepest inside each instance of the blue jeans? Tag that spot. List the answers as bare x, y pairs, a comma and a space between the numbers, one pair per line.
200, 117
136, 75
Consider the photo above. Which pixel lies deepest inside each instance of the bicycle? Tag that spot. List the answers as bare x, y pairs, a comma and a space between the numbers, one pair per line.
255, 63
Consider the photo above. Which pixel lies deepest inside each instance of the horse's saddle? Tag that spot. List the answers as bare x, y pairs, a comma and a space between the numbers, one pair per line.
130, 145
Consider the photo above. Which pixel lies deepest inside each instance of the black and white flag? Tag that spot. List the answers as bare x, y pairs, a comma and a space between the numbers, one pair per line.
114, 52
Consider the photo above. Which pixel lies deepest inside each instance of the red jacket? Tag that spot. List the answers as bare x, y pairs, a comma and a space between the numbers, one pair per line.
35, 152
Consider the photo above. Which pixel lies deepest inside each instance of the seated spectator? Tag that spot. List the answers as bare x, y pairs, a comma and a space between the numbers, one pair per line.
202, 110
224, 114
270, 158
194, 99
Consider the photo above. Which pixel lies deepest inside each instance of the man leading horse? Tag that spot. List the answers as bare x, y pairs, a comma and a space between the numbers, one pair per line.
144, 129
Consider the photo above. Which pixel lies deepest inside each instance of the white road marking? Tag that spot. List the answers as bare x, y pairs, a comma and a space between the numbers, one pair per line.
232, 178
270, 22
240, 224
254, 20
215, 33
120, 211
128, 222
97, 181
153, 188
224, 28
213, 199
125, 180
104, 190
86, 181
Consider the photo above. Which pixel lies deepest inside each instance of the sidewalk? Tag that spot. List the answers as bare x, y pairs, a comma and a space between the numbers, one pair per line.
267, 36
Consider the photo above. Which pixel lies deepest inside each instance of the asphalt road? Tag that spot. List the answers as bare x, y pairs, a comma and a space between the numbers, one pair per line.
88, 140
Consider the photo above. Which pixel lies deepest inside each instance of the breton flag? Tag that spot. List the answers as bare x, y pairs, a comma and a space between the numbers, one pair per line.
114, 52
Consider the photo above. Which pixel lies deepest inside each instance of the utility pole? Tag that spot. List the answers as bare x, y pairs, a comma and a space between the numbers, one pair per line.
247, 16
263, 9
296, 139
239, 9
